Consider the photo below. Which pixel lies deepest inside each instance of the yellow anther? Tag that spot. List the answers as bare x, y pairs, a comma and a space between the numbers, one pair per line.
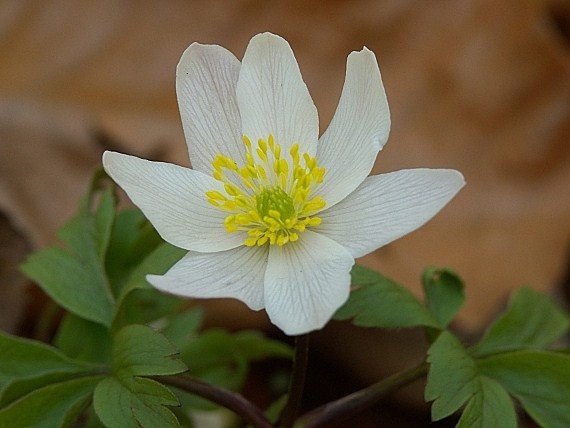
268, 198
215, 195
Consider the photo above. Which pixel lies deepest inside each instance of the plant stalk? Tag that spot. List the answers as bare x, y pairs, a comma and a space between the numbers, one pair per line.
228, 399
347, 406
297, 384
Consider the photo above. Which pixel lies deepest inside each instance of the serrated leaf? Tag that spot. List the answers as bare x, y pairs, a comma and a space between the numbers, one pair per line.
51, 406
380, 302
444, 294
490, 407
451, 376
128, 400
531, 320
134, 402
140, 351
540, 380
75, 278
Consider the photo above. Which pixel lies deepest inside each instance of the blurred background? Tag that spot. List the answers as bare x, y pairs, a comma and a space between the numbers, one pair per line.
482, 86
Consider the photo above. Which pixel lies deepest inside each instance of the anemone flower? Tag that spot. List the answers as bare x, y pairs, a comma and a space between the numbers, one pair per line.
270, 213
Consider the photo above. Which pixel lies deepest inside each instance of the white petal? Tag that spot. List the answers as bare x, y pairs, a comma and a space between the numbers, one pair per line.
387, 206
173, 199
236, 273
358, 130
206, 79
272, 97
306, 282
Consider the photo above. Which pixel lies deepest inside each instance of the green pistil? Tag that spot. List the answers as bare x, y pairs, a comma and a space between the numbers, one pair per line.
275, 199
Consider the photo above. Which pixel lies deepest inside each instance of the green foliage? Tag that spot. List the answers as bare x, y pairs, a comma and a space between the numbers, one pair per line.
540, 381
444, 294
21, 357
223, 359
39, 385
53, 405
510, 359
106, 357
532, 320
490, 406
138, 351
84, 340
379, 302
454, 379
134, 402
451, 377
75, 278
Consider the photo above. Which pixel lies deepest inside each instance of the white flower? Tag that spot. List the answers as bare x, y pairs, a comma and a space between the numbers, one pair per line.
271, 214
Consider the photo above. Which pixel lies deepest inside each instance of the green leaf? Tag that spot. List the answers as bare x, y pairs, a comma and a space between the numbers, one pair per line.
75, 278
19, 387
52, 406
138, 302
162, 258
140, 351
276, 408
84, 340
380, 302
24, 358
532, 320
90, 230
132, 239
254, 346
490, 407
444, 294
223, 359
214, 358
128, 400
134, 402
451, 376
79, 286
540, 380
146, 306
182, 327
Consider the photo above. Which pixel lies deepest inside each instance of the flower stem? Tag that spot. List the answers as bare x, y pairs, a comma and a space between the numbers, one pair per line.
356, 402
228, 399
297, 382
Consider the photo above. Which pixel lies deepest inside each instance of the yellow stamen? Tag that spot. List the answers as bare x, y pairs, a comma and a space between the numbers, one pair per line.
271, 200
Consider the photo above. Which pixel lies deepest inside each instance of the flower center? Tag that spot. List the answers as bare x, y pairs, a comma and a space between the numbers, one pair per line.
270, 196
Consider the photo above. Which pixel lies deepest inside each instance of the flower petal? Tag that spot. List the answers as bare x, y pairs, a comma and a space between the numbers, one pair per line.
272, 97
236, 273
306, 282
387, 206
173, 199
358, 130
206, 79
